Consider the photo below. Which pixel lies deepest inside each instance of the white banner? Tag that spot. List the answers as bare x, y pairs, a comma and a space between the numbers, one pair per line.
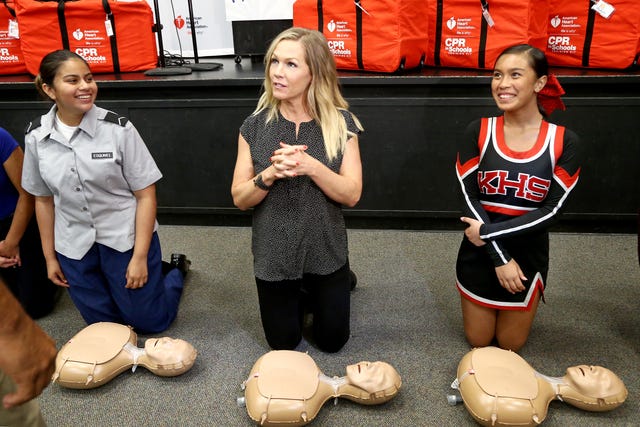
214, 35
258, 10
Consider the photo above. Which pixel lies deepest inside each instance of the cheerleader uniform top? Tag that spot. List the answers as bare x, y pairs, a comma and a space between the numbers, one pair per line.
516, 195
297, 229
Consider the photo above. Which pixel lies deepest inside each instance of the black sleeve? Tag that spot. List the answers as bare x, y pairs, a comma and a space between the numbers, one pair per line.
467, 172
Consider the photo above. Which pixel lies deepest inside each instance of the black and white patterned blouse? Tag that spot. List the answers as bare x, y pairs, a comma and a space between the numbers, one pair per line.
297, 229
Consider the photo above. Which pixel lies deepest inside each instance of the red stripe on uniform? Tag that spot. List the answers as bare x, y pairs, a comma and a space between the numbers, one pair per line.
468, 165
563, 175
505, 210
536, 287
558, 144
482, 136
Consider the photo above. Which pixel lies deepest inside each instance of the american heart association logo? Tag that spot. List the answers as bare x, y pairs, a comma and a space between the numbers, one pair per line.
179, 22
555, 21
451, 23
78, 34
331, 26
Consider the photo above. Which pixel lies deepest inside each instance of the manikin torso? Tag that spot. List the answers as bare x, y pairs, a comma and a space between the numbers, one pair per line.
101, 351
499, 387
286, 388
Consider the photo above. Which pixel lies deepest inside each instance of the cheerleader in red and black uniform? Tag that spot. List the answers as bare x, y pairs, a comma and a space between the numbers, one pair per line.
516, 172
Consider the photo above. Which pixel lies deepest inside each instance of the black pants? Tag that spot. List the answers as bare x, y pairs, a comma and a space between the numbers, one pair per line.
29, 283
326, 297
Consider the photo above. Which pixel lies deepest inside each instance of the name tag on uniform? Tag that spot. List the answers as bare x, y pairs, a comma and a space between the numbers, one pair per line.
98, 156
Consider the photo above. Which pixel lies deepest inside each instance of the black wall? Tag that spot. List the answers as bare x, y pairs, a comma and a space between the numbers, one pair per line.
412, 122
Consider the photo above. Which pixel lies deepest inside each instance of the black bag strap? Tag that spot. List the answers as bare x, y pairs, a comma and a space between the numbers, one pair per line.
112, 37
483, 36
586, 49
438, 35
359, 34
62, 22
9, 8
320, 16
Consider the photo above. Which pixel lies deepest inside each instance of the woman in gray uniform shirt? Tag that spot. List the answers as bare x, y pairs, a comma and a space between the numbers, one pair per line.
298, 163
94, 182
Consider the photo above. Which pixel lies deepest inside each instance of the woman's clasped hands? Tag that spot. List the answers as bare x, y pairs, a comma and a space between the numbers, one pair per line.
291, 160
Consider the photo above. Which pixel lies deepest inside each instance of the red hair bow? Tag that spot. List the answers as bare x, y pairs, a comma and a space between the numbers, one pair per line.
549, 96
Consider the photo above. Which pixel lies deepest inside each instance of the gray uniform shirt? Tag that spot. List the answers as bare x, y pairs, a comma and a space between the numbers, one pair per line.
91, 178
297, 229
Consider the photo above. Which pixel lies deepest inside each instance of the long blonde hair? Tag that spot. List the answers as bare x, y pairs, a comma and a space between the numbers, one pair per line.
324, 100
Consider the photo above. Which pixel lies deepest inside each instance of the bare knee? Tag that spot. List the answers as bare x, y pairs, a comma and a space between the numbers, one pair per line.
511, 343
512, 338
479, 324
479, 338
513, 327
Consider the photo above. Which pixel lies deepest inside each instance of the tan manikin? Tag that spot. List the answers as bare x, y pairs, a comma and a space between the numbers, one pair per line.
286, 388
499, 388
101, 351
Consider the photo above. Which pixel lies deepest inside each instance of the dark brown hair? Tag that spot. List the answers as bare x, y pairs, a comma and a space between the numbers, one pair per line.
536, 58
49, 66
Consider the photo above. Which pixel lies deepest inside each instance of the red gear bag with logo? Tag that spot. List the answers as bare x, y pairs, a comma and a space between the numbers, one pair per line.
370, 35
112, 36
11, 59
472, 33
594, 34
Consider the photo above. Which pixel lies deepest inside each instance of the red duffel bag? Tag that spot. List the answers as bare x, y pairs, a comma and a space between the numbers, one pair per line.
112, 36
11, 59
594, 34
472, 33
371, 35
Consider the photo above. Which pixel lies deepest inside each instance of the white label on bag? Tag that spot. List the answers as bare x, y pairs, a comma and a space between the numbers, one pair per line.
357, 3
603, 8
13, 30
108, 27
487, 16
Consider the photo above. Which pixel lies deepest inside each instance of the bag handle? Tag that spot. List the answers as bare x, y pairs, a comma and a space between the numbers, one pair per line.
586, 48
62, 22
112, 37
438, 36
9, 8
359, 34
320, 16
483, 36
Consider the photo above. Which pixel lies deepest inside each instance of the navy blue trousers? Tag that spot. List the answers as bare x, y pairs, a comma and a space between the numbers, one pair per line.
97, 288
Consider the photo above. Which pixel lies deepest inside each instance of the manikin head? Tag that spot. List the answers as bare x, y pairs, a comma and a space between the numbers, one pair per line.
594, 381
374, 377
169, 353
593, 388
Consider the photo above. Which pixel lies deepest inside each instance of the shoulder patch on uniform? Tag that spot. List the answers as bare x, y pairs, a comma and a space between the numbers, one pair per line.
33, 124
114, 118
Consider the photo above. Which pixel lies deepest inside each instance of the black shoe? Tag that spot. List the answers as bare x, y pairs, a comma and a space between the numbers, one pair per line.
354, 279
180, 262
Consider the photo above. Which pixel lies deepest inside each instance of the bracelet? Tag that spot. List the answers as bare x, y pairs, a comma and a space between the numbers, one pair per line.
258, 182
